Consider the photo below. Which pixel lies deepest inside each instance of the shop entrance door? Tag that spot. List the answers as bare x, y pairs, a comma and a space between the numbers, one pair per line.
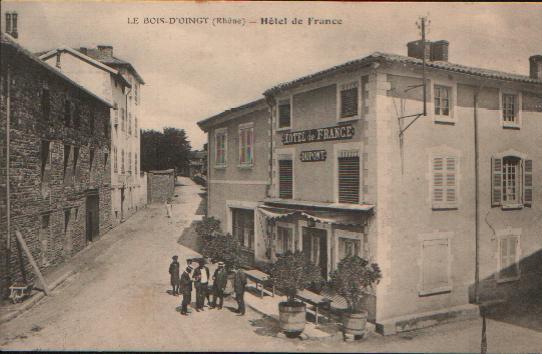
315, 247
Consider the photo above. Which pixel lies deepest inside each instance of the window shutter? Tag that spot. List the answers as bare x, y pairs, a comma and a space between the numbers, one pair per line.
451, 180
496, 181
528, 183
349, 177
285, 179
438, 180
284, 115
349, 100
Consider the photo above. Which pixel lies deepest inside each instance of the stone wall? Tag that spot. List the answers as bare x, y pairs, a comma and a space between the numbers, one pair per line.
160, 185
48, 195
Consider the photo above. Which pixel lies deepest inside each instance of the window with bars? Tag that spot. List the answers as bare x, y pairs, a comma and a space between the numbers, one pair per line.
285, 240
246, 145
444, 191
508, 258
285, 114
510, 109
243, 226
286, 179
349, 177
442, 100
349, 98
220, 148
511, 182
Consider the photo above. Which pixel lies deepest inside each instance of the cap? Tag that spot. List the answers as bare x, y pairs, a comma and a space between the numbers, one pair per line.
220, 264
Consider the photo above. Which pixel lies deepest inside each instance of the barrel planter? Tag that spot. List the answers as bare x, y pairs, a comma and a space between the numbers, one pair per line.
292, 318
354, 323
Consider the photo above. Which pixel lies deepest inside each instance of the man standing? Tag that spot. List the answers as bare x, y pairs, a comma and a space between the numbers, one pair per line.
186, 289
239, 285
174, 269
201, 281
220, 279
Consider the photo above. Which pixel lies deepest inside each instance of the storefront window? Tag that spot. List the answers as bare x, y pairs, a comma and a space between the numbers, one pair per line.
243, 226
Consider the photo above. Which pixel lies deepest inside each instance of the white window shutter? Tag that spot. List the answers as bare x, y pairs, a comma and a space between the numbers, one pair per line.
451, 180
528, 183
438, 179
496, 181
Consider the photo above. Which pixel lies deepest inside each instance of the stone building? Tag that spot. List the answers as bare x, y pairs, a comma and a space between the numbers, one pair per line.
54, 164
446, 202
160, 185
117, 82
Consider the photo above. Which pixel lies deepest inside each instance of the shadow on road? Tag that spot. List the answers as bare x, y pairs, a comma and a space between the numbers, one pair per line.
189, 238
266, 326
202, 207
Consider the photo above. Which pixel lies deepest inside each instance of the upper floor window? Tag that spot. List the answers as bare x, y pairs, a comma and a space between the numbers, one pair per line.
286, 178
122, 161
45, 103
285, 114
246, 144
349, 100
122, 118
67, 113
116, 119
115, 159
91, 159
220, 147
512, 182
444, 181
348, 170
442, 100
130, 123
510, 110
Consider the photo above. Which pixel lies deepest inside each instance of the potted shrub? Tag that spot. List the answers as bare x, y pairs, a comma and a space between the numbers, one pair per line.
352, 279
290, 273
225, 248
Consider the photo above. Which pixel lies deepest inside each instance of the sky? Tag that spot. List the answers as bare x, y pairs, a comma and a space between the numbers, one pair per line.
194, 71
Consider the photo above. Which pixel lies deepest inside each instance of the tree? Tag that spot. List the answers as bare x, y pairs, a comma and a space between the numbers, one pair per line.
354, 276
164, 150
292, 272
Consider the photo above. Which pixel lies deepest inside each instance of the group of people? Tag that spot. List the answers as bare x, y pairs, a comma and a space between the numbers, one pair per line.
199, 278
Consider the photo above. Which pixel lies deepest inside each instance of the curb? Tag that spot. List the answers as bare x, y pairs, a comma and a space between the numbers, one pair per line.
35, 299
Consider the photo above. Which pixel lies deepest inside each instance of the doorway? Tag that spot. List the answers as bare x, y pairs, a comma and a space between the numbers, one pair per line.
92, 218
315, 247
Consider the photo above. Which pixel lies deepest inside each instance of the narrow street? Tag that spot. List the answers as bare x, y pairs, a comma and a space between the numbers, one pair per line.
119, 301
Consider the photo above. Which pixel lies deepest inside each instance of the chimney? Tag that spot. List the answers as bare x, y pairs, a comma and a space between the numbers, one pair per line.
11, 24
416, 49
535, 64
106, 51
83, 50
439, 50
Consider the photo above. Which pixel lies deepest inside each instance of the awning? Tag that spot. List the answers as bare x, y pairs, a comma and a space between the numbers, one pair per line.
323, 216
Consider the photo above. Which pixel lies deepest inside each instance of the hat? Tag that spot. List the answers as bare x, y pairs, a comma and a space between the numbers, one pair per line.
221, 264
175, 257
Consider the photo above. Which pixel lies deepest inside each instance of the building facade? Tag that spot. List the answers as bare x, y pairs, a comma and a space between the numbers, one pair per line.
118, 83
55, 164
446, 202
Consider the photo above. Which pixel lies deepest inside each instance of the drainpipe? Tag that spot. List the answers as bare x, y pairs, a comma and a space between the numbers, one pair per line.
476, 198
8, 200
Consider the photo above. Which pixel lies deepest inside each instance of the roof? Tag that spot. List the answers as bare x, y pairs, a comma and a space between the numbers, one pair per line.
248, 107
6, 39
86, 58
198, 154
394, 58
114, 61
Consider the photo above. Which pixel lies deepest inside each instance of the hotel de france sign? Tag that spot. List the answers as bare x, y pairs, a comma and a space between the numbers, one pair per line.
339, 132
